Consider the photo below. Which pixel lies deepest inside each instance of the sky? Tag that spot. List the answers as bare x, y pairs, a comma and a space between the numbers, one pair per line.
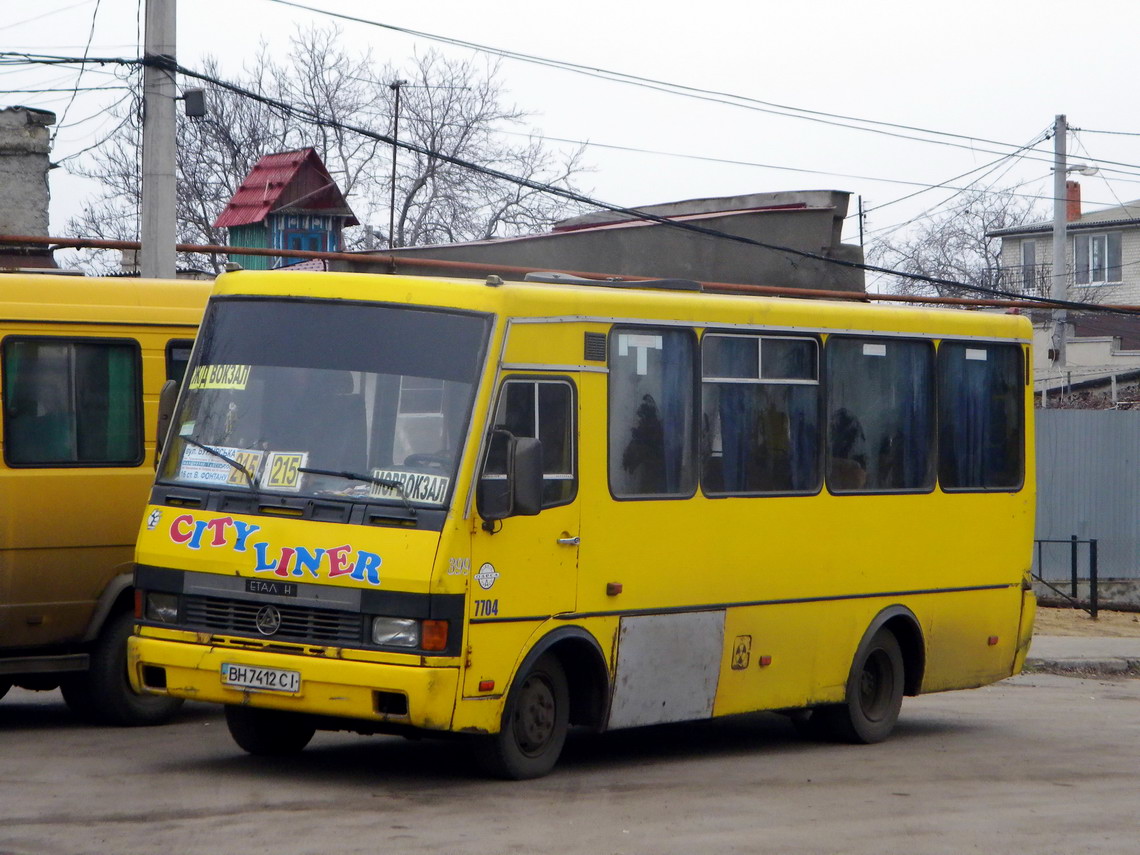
988, 76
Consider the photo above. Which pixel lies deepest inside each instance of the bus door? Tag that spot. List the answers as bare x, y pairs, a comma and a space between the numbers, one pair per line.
524, 568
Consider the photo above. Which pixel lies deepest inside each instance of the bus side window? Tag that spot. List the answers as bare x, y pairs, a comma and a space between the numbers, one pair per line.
760, 414
981, 419
177, 357
543, 409
71, 402
880, 415
652, 412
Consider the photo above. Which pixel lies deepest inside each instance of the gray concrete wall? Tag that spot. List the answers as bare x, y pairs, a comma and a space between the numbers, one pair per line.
24, 150
605, 244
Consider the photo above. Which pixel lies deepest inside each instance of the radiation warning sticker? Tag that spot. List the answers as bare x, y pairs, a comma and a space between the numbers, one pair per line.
741, 652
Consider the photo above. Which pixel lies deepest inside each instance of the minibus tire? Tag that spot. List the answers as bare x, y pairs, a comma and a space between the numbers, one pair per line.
534, 725
268, 733
874, 696
103, 693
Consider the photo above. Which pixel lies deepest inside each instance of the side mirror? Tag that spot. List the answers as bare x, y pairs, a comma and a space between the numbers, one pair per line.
511, 484
167, 398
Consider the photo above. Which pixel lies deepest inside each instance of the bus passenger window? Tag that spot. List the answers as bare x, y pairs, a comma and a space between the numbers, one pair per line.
981, 419
880, 415
71, 403
177, 358
543, 409
760, 415
652, 409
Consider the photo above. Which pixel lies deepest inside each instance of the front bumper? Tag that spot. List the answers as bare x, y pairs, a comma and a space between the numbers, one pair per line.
329, 687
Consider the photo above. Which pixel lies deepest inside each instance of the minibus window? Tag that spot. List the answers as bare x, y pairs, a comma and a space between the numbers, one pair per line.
652, 412
981, 419
880, 414
71, 402
363, 392
760, 415
543, 409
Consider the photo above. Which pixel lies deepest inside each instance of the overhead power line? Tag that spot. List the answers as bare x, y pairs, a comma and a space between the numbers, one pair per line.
967, 141
562, 192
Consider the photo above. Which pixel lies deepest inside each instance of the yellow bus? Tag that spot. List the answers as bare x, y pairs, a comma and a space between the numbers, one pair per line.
81, 364
395, 505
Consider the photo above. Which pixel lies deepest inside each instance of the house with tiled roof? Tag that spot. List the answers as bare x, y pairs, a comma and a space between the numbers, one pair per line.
288, 201
1102, 265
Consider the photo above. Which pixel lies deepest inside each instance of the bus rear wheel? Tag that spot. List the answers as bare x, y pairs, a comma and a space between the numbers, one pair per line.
534, 725
268, 733
874, 696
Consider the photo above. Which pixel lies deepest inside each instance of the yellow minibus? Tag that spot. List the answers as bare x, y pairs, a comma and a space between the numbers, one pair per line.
501, 509
81, 365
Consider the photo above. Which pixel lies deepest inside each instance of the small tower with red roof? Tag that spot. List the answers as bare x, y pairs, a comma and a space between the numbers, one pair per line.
288, 201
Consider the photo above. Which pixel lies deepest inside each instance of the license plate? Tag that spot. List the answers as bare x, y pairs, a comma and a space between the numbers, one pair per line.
263, 679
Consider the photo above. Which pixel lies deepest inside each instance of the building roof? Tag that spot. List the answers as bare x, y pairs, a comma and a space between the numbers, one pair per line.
1127, 214
289, 181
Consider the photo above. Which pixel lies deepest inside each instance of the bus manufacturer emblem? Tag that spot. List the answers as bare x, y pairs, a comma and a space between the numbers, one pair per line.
268, 620
486, 576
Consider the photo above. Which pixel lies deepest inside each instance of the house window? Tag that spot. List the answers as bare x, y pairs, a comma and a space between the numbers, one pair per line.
1028, 265
1096, 258
308, 239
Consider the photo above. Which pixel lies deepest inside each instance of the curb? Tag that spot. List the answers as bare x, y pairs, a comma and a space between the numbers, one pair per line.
1110, 665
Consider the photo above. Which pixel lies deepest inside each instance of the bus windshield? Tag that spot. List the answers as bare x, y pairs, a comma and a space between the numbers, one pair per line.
330, 399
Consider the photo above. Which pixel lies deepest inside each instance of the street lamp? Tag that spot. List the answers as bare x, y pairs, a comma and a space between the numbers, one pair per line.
395, 87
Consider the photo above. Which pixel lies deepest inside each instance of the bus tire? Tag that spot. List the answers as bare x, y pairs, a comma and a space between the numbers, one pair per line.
268, 733
874, 696
534, 725
103, 693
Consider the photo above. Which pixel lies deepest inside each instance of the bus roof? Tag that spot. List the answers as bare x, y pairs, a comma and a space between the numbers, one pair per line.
78, 299
535, 300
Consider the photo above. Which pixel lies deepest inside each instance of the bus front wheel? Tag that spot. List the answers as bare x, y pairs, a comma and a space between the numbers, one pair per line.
874, 696
534, 725
268, 733
103, 693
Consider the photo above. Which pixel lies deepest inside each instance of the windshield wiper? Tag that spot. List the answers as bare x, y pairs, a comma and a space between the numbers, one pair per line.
369, 479
239, 467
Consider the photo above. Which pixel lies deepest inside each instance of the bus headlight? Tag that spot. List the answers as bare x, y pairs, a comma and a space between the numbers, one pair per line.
397, 632
161, 608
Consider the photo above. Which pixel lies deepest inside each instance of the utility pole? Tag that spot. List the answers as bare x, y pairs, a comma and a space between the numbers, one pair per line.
1060, 289
159, 226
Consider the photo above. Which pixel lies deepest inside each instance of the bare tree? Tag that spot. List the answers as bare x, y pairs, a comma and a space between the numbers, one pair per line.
955, 245
447, 107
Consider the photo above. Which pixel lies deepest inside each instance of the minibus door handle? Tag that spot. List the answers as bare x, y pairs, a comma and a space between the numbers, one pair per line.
569, 541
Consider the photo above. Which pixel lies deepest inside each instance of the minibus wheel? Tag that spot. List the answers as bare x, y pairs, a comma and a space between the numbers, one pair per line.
268, 733
534, 725
874, 696
103, 693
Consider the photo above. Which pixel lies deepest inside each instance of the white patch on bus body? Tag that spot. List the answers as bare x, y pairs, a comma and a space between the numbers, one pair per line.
874, 349
976, 354
667, 668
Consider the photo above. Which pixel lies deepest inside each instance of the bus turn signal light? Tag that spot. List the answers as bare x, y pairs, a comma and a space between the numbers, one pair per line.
434, 635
